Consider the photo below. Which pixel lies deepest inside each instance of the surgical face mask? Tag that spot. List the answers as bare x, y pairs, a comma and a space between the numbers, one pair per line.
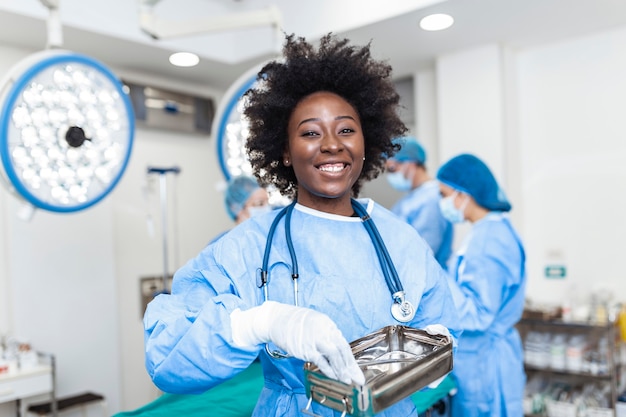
449, 210
398, 181
254, 211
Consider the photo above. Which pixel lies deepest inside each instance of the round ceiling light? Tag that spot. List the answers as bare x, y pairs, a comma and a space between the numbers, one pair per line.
66, 130
184, 59
434, 22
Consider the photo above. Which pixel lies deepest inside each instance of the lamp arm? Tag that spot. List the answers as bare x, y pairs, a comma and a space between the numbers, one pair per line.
54, 27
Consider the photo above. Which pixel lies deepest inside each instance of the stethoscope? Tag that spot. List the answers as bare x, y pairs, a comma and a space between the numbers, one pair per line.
401, 309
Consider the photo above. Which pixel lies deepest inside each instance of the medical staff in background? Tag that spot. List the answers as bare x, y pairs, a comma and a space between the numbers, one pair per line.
298, 284
244, 198
407, 172
487, 276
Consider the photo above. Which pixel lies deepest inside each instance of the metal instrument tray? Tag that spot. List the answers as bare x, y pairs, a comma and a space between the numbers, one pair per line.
397, 361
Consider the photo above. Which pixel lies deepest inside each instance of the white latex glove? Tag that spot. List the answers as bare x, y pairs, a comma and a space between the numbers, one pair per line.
435, 330
301, 332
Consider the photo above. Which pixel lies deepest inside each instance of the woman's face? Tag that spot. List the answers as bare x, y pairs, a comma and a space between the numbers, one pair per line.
326, 149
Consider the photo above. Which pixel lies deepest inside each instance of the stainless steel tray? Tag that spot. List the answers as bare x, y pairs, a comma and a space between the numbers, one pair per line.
397, 361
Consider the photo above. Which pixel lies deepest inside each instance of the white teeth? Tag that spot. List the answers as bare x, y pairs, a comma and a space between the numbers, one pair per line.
331, 168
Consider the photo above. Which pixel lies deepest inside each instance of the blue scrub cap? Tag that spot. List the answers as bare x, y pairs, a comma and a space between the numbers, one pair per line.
237, 193
470, 175
411, 150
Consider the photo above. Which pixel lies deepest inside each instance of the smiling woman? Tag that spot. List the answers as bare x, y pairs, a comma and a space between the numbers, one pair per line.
321, 123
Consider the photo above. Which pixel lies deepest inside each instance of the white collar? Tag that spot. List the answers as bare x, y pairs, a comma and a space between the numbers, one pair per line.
368, 202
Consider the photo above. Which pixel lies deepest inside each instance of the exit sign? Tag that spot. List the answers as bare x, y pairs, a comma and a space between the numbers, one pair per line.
555, 271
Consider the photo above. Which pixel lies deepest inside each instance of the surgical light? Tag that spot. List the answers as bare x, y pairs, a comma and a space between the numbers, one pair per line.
232, 133
66, 130
232, 127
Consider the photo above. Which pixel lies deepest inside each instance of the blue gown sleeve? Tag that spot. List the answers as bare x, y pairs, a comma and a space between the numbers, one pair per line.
429, 223
188, 342
437, 305
483, 275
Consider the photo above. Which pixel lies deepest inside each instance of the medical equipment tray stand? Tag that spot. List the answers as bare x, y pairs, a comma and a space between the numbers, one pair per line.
162, 172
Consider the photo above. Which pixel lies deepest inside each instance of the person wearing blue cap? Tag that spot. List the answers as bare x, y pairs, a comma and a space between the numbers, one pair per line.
406, 172
244, 198
487, 277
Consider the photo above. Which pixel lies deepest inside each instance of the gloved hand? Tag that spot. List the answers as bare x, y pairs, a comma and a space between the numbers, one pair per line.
437, 329
301, 332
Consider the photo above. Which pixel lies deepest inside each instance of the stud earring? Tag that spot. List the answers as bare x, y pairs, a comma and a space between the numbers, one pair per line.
286, 162
364, 158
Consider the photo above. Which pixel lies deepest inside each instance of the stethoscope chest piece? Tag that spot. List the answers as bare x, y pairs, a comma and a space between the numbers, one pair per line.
403, 311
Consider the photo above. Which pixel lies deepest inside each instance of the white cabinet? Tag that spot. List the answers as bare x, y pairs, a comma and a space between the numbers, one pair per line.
21, 384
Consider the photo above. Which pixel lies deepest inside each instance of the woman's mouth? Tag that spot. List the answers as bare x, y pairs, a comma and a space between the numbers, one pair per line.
338, 167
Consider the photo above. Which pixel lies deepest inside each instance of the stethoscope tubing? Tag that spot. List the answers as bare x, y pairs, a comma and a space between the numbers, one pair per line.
386, 263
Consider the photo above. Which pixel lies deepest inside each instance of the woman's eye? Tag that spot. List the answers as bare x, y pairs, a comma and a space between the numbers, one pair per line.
309, 133
346, 130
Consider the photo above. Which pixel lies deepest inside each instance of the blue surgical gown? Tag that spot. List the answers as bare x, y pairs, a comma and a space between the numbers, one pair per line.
188, 341
488, 280
420, 208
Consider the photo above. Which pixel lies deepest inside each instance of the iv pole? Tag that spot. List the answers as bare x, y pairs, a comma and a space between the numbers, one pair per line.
163, 191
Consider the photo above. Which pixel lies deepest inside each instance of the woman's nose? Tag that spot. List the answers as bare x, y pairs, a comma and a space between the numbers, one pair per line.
331, 142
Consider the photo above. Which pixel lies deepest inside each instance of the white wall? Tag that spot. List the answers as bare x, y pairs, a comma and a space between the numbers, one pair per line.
572, 137
426, 116
8, 58
470, 111
64, 294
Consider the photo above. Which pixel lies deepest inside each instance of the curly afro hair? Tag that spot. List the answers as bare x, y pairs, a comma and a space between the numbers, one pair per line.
336, 67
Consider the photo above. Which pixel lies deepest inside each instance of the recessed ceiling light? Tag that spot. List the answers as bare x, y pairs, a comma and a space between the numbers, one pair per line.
184, 59
437, 21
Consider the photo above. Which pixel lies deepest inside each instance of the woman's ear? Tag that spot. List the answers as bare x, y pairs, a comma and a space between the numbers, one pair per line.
286, 159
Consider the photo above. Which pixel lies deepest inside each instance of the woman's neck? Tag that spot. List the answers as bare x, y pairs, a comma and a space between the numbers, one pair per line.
341, 206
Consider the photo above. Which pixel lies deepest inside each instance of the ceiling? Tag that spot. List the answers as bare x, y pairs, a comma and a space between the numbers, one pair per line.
110, 31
